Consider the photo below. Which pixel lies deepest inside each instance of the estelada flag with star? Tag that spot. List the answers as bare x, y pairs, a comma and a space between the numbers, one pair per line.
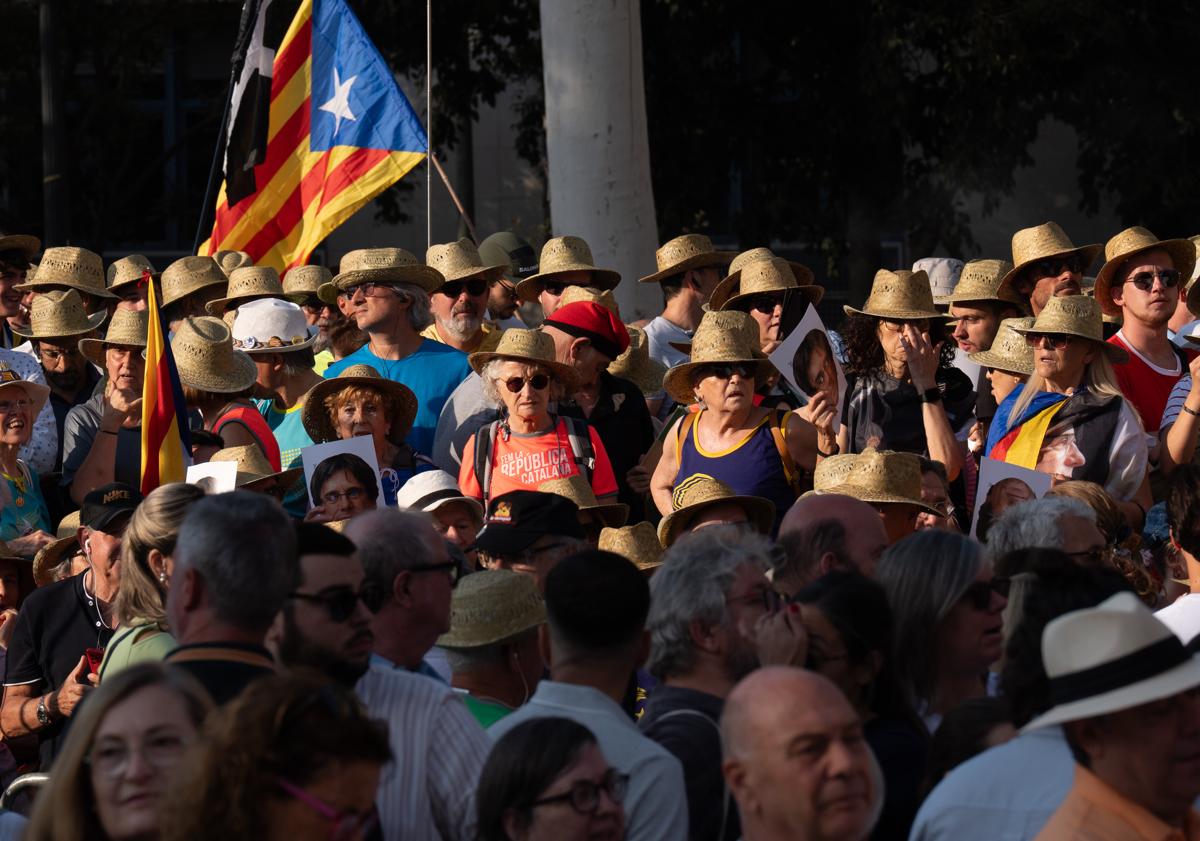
319, 128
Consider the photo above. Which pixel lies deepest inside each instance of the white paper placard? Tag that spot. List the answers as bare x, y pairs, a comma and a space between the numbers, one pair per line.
1002, 485
216, 477
361, 448
790, 359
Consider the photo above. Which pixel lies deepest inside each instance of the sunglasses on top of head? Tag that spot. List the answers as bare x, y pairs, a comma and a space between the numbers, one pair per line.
1144, 281
454, 288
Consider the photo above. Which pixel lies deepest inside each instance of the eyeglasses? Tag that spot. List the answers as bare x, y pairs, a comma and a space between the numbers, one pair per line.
538, 382
161, 751
342, 824
1054, 266
350, 495
340, 603
1144, 281
454, 288
7, 406
726, 371
943, 507
765, 303
1056, 341
55, 355
451, 568
980, 592
371, 288
584, 795
766, 597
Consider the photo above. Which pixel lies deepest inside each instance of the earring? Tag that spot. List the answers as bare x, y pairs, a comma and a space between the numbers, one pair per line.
162, 578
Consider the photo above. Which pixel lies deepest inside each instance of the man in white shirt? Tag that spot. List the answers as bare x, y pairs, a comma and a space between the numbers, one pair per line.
689, 269
594, 639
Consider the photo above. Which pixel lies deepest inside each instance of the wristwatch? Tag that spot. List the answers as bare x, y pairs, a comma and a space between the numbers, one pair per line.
43, 715
931, 395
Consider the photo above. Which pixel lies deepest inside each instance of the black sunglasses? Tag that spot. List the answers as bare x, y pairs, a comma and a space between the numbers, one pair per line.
765, 303
980, 592
340, 603
1054, 266
537, 382
454, 288
725, 370
555, 287
1145, 280
451, 568
1058, 341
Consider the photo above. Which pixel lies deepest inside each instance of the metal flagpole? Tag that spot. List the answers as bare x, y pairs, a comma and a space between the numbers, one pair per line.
429, 122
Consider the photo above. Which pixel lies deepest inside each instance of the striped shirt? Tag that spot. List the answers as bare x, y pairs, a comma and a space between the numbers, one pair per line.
1175, 402
427, 791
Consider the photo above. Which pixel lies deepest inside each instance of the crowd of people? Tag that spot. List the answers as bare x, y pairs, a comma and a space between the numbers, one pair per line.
604, 580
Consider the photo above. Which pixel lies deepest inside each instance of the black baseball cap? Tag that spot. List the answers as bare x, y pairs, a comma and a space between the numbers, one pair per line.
518, 518
108, 503
506, 247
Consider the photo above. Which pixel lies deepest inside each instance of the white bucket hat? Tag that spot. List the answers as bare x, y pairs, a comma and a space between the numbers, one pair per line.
1109, 658
430, 490
270, 325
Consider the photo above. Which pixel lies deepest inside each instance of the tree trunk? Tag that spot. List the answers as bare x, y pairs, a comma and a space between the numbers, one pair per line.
596, 141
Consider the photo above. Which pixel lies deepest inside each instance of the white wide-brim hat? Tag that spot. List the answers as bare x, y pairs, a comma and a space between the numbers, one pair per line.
270, 325
430, 490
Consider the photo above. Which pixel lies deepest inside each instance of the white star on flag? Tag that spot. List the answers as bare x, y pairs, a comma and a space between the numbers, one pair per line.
339, 106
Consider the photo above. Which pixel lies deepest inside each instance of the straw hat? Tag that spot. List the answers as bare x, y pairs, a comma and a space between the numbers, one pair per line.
402, 409
638, 543
881, 476
270, 325
26, 244
832, 471
59, 313
53, 554
636, 366
723, 336
900, 294
247, 283
803, 274
230, 261
1046, 241
695, 493
38, 393
943, 272
190, 274
1129, 243
771, 274
1009, 351
603, 297
253, 466
1075, 315
1109, 658
127, 328
491, 606
77, 268
579, 491
207, 360
129, 271
461, 261
983, 280
565, 254
303, 282
532, 346
690, 251
381, 265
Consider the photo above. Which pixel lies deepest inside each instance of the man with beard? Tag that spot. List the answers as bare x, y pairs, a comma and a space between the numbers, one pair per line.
460, 304
710, 625
505, 247
428, 790
1046, 264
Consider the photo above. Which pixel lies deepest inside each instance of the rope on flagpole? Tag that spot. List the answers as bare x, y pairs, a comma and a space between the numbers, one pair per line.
429, 122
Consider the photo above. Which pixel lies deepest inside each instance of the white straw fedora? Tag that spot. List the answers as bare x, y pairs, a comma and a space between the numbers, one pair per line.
270, 325
430, 490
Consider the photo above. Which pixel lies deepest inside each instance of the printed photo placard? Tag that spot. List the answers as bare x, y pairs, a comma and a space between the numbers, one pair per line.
342, 477
807, 362
1002, 485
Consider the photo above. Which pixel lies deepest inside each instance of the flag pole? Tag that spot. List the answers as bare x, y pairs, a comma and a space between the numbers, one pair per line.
462, 211
429, 122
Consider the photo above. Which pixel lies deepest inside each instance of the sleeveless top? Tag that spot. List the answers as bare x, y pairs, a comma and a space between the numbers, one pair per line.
752, 467
253, 420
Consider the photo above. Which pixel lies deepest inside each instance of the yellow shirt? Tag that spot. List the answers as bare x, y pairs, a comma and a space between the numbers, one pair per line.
489, 336
1094, 811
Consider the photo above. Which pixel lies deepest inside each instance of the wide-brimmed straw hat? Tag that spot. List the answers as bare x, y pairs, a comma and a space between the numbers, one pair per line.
578, 490
304, 282
1110, 658
943, 273
190, 274
128, 328
461, 261
636, 366
207, 360
1131, 242
884, 476
52, 555
900, 294
832, 471
253, 466
270, 325
129, 271
491, 606
771, 274
430, 490
1075, 315
603, 297
37, 393
695, 493
690, 251
25, 243
723, 336
59, 313
402, 408
565, 254
638, 543
1046, 241
247, 284
77, 268
803, 274
380, 265
531, 346
231, 261
1009, 351
983, 280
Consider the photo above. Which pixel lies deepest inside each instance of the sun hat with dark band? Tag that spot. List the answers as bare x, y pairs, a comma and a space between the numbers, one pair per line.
700, 491
559, 256
129, 271
529, 346
1075, 315
723, 336
900, 295
461, 261
591, 321
757, 277
315, 414
1109, 658
690, 251
59, 313
1130, 243
432, 489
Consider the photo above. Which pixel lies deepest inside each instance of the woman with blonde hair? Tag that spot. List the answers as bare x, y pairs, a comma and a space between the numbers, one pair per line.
117, 763
146, 550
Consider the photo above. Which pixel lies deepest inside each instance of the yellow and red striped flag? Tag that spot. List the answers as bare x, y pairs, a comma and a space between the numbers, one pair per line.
337, 132
166, 449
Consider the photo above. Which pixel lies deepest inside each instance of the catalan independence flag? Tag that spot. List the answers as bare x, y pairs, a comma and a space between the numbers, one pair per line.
333, 132
166, 448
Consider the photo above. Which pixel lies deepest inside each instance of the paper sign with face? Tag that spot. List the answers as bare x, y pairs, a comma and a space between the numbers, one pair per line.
1001, 486
807, 362
342, 478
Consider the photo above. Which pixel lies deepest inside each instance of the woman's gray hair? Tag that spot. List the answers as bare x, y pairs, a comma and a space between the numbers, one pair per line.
925, 575
419, 314
490, 374
1034, 524
692, 585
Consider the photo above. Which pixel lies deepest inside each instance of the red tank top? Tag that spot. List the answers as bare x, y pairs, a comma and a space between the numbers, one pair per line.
258, 428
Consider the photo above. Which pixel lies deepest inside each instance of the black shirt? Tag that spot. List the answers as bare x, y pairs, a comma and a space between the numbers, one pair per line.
223, 668
54, 626
902, 752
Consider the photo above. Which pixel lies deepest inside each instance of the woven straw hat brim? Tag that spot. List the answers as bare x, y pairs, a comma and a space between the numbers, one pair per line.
94, 349
724, 291
155, 277
811, 294
602, 279
423, 277
26, 244
645, 373
695, 261
328, 293
866, 494
1116, 355
1010, 364
564, 373
906, 315
93, 321
476, 637
239, 376
50, 556
760, 511
803, 274
1183, 255
639, 543
190, 286
37, 392
678, 381
217, 307
1089, 253
488, 273
36, 285
315, 416
614, 515
285, 477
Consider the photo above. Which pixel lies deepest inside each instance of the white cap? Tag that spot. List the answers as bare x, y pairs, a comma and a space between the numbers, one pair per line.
430, 490
271, 325
943, 274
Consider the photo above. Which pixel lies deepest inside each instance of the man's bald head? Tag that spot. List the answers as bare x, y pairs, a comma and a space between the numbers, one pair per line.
823, 532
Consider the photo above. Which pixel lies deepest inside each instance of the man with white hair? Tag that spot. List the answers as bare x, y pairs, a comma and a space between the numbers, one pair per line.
1052, 522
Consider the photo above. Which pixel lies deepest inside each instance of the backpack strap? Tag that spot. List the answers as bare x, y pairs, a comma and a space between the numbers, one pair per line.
581, 445
484, 439
778, 428
689, 421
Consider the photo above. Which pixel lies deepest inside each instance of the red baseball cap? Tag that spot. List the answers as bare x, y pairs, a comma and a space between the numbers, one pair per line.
589, 320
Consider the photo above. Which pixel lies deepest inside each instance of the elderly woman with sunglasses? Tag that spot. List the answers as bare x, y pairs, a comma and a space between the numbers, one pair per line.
755, 451
1070, 419
529, 445
24, 518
